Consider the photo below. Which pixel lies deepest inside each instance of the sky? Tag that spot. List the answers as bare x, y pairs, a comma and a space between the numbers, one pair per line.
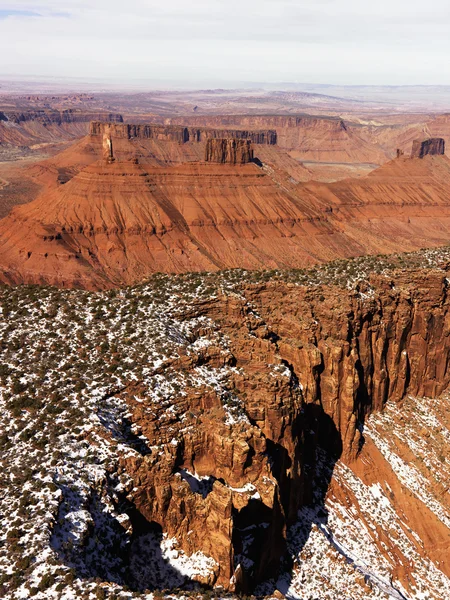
209, 42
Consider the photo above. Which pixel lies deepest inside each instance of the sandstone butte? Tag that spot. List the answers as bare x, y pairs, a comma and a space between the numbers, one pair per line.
158, 205
433, 146
345, 357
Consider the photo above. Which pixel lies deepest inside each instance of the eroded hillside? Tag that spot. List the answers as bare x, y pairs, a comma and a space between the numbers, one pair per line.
167, 201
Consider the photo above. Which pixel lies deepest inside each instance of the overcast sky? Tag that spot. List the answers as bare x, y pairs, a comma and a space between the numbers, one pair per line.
213, 41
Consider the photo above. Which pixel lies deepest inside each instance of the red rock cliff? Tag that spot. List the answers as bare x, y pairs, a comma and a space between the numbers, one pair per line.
58, 117
180, 133
231, 151
309, 364
314, 138
432, 146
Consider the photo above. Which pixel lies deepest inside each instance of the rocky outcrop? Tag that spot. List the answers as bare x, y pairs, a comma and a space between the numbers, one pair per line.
232, 464
265, 137
439, 126
128, 131
273, 121
228, 151
108, 152
430, 147
354, 354
179, 133
212, 481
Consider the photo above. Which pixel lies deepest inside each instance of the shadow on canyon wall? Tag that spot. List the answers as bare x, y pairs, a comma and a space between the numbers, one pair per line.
96, 546
102, 550
304, 500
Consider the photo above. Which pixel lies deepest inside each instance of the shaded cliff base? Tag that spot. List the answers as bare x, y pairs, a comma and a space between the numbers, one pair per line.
383, 531
192, 445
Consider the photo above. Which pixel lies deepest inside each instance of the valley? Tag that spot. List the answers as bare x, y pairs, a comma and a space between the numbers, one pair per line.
224, 342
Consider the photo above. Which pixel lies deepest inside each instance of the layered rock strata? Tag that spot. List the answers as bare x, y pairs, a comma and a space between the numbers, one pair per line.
116, 224
432, 147
58, 117
108, 152
266, 137
232, 463
230, 151
306, 138
179, 133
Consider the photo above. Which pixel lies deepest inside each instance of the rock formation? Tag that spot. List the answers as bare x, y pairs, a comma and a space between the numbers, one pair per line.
264, 137
50, 117
306, 138
439, 126
128, 131
230, 485
228, 151
200, 419
29, 127
116, 225
108, 153
431, 147
179, 133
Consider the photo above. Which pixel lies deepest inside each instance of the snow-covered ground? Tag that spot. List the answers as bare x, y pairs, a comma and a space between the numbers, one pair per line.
64, 357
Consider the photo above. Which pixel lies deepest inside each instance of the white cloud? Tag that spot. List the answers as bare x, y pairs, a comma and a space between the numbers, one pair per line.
337, 41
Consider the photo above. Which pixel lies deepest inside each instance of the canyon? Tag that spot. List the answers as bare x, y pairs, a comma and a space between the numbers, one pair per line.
30, 127
234, 418
220, 375
340, 360
307, 138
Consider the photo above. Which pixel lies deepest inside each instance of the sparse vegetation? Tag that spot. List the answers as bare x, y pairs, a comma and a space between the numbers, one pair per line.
65, 358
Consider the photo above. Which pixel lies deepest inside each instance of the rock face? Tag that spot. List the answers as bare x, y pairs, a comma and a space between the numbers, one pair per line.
108, 153
263, 137
439, 126
305, 366
228, 151
31, 127
207, 409
306, 138
431, 147
128, 131
179, 133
